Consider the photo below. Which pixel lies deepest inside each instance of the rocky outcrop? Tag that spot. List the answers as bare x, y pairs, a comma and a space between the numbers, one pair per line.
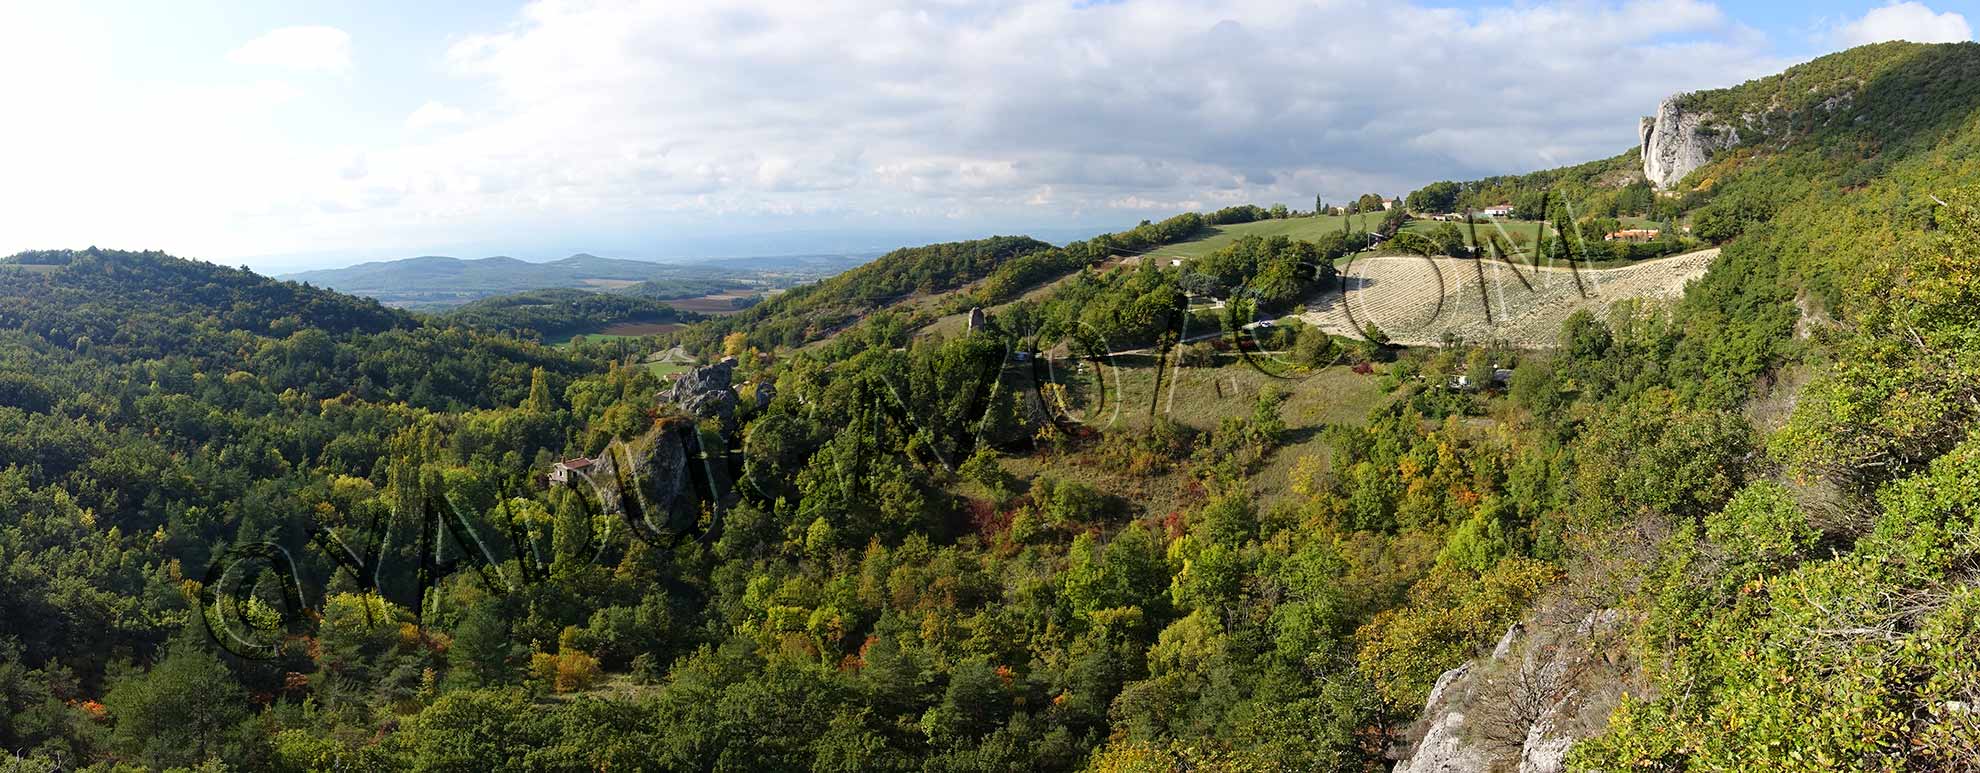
707, 392
1543, 687
659, 479
766, 391
1677, 141
1444, 747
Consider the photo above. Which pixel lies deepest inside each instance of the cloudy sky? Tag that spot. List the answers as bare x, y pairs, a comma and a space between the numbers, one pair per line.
286, 135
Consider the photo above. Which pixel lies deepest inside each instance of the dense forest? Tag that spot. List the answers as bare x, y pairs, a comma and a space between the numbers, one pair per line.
253, 525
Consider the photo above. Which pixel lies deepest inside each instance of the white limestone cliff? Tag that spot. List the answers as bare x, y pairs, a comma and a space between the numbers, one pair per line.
1677, 141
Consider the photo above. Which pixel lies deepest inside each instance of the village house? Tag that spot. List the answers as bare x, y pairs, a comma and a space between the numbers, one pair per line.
1501, 378
1498, 210
562, 472
1633, 235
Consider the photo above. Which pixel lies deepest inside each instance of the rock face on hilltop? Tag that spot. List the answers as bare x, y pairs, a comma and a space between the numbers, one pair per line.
1547, 684
707, 392
1677, 141
664, 470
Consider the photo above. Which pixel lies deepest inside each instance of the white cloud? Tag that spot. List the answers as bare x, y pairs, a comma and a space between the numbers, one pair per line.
678, 121
310, 48
434, 114
1911, 21
985, 107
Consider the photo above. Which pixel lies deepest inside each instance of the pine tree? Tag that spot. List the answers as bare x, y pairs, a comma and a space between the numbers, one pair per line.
183, 712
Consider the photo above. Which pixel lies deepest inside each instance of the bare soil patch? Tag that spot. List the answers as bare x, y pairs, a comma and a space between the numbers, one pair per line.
719, 303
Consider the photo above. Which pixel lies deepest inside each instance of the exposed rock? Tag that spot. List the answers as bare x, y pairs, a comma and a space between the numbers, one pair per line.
1676, 141
1443, 746
1546, 749
1543, 687
976, 319
1582, 705
1511, 637
707, 392
1445, 750
707, 378
664, 469
719, 404
766, 391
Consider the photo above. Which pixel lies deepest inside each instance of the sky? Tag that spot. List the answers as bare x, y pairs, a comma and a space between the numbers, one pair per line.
290, 135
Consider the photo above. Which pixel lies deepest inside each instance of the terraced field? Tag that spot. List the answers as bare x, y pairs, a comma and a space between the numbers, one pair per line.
1417, 301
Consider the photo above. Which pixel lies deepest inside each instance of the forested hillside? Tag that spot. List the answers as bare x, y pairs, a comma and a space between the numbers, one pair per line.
808, 313
561, 312
247, 524
436, 282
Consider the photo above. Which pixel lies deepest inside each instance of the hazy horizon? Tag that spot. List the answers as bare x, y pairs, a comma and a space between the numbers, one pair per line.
321, 137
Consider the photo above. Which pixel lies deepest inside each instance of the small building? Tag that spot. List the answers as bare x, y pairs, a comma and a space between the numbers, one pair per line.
1498, 210
563, 472
1633, 235
976, 319
1175, 262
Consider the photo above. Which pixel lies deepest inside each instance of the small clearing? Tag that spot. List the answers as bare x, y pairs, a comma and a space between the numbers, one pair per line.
717, 304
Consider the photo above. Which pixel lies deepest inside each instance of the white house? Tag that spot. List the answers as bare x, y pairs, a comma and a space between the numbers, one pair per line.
1498, 210
562, 472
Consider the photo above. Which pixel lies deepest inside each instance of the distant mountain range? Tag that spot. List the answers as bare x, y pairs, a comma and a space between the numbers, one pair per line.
433, 281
